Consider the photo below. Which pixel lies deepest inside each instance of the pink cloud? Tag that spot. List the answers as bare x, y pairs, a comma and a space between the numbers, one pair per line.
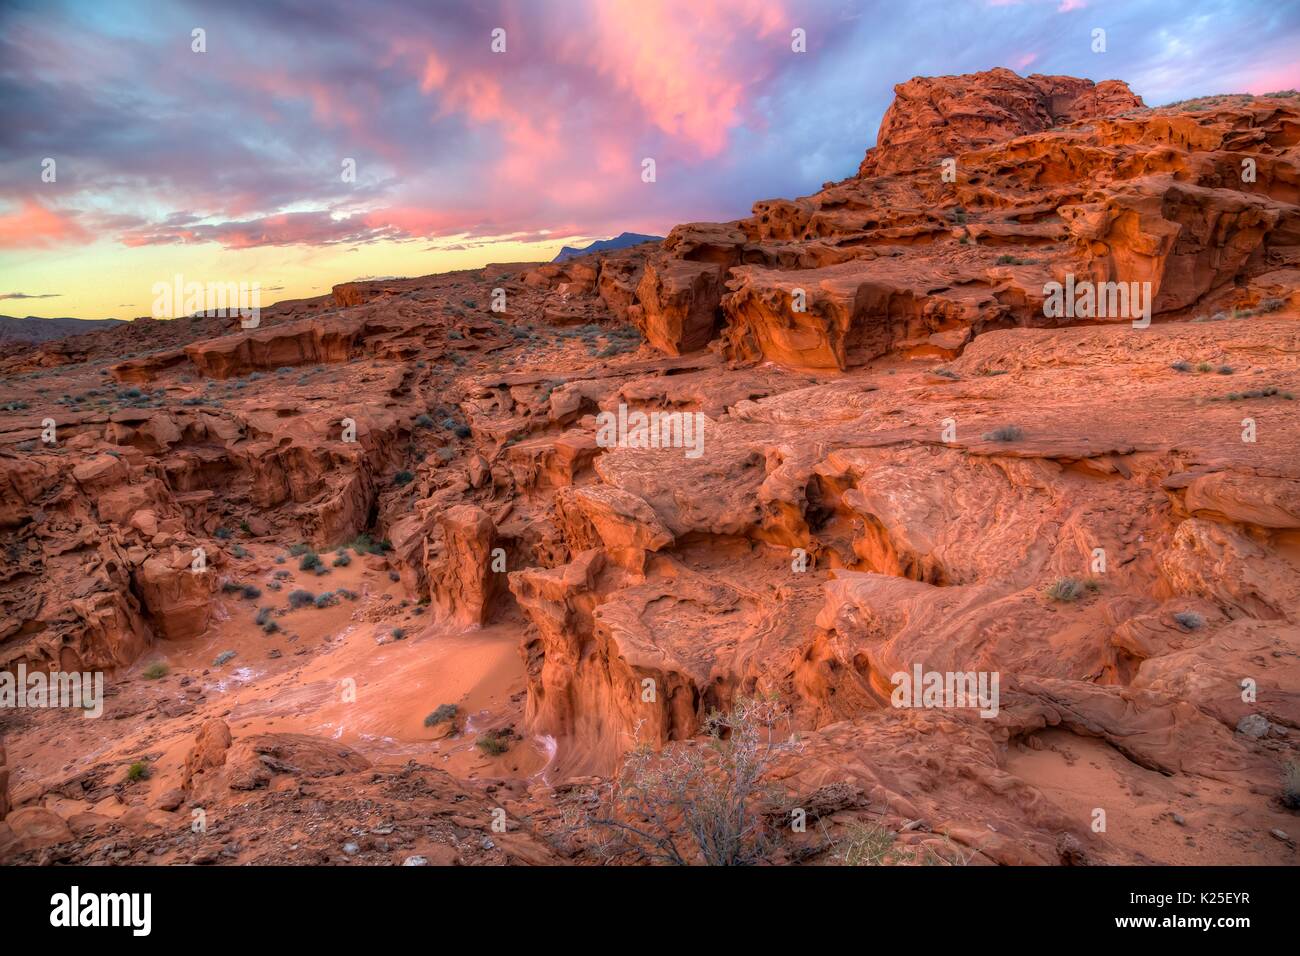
35, 225
669, 58
1271, 81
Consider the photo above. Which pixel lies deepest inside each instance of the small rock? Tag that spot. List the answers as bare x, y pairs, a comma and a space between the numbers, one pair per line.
351, 848
170, 799
204, 856
423, 861
1280, 834
1253, 726
1178, 818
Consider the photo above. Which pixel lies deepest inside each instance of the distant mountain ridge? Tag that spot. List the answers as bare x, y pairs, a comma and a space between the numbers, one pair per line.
33, 328
621, 241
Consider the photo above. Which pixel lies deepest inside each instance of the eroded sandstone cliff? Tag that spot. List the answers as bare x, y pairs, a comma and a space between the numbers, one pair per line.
905, 459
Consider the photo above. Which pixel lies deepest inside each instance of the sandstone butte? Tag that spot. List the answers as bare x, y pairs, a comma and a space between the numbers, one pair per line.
1106, 516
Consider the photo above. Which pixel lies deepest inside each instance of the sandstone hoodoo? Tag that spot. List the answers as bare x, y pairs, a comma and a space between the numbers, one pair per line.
960, 499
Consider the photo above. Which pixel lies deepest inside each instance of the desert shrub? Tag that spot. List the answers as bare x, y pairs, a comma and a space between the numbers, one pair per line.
342, 559
137, 771
403, 478
1005, 433
270, 627
364, 544
223, 658
704, 803
423, 421
1269, 305
156, 671
1203, 366
399, 633
1270, 391
867, 844
493, 743
301, 598
309, 561
444, 713
1067, 589
870, 844
250, 592
1181, 366
221, 533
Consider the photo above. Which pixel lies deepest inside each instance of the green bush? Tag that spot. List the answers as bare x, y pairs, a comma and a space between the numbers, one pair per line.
1070, 589
493, 743
444, 713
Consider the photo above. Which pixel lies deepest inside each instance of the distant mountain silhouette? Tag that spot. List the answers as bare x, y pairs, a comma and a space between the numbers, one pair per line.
35, 329
605, 245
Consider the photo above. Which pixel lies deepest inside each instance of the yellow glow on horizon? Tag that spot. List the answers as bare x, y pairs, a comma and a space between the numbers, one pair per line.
108, 280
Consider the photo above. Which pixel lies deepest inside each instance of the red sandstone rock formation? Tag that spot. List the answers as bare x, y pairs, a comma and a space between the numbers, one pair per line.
921, 465
939, 116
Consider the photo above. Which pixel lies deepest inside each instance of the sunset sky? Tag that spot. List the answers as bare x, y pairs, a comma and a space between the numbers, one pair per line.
226, 165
